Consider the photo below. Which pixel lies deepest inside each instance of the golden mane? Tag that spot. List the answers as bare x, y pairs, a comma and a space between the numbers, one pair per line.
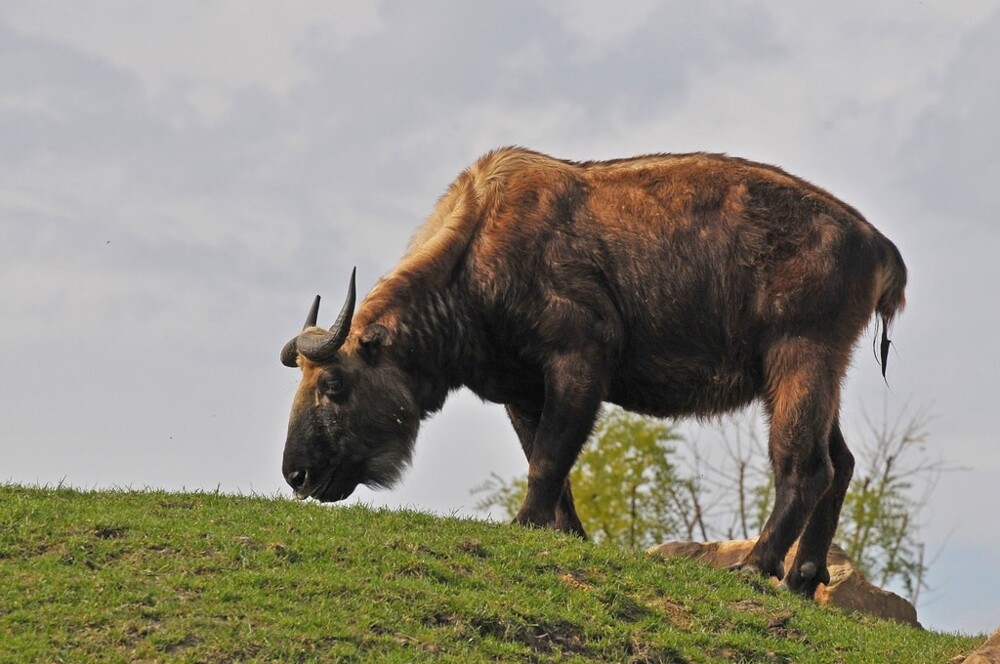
441, 242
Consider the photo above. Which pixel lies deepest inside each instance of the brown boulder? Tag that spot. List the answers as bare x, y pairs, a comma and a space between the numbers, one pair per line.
848, 588
988, 653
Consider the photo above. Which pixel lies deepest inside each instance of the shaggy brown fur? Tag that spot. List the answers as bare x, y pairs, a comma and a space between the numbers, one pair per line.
669, 284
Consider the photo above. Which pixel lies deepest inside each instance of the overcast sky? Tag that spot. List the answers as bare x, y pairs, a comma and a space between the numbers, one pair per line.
177, 180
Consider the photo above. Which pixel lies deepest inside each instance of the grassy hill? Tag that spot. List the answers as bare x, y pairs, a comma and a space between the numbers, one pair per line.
127, 576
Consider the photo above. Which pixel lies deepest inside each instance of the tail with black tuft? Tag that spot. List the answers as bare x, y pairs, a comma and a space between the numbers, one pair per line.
890, 298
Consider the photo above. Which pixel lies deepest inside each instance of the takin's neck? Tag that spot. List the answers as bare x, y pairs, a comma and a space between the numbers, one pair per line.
429, 338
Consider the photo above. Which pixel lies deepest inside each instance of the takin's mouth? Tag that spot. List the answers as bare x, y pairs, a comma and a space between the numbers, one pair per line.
323, 486
306, 491
334, 487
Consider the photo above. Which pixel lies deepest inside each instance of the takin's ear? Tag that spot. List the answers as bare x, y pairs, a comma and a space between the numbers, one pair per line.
373, 339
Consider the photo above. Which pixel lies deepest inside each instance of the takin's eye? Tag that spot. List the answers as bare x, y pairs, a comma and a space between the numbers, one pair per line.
332, 386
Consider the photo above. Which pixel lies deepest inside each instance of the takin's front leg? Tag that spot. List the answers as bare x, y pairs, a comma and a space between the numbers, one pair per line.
572, 398
526, 421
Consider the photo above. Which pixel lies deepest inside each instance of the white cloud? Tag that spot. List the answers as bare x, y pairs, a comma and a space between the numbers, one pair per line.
603, 25
211, 45
959, 133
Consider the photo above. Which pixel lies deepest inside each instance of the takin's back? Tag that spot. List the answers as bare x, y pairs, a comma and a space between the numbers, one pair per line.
683, 268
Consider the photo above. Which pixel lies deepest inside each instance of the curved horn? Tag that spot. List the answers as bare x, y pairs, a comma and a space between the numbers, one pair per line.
289, 354
342, 326
321, 347
313, 314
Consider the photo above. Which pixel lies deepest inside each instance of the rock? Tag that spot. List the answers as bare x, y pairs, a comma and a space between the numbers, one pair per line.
848, 588
989, 653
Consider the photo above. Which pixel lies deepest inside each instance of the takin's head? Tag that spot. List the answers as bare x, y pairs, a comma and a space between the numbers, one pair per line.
354, 419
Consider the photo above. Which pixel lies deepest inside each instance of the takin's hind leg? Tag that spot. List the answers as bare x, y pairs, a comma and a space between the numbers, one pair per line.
809, 568
802, 402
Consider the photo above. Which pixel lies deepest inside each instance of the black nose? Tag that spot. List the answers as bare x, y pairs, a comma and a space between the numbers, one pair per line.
296, 479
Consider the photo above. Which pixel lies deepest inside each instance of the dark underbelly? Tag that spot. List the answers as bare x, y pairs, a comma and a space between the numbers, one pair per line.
679, 388
654, 389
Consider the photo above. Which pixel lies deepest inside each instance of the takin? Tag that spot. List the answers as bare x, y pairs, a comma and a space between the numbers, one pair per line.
669, 284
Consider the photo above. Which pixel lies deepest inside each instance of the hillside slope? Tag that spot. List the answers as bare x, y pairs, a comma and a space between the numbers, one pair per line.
127, 576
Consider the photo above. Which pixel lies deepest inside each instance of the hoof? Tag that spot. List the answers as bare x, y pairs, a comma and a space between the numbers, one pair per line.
752, 575
805, 580
551, 525
777, 570
536, 518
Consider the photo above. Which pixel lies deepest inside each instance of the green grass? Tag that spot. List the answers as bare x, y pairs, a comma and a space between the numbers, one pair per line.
146, 576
